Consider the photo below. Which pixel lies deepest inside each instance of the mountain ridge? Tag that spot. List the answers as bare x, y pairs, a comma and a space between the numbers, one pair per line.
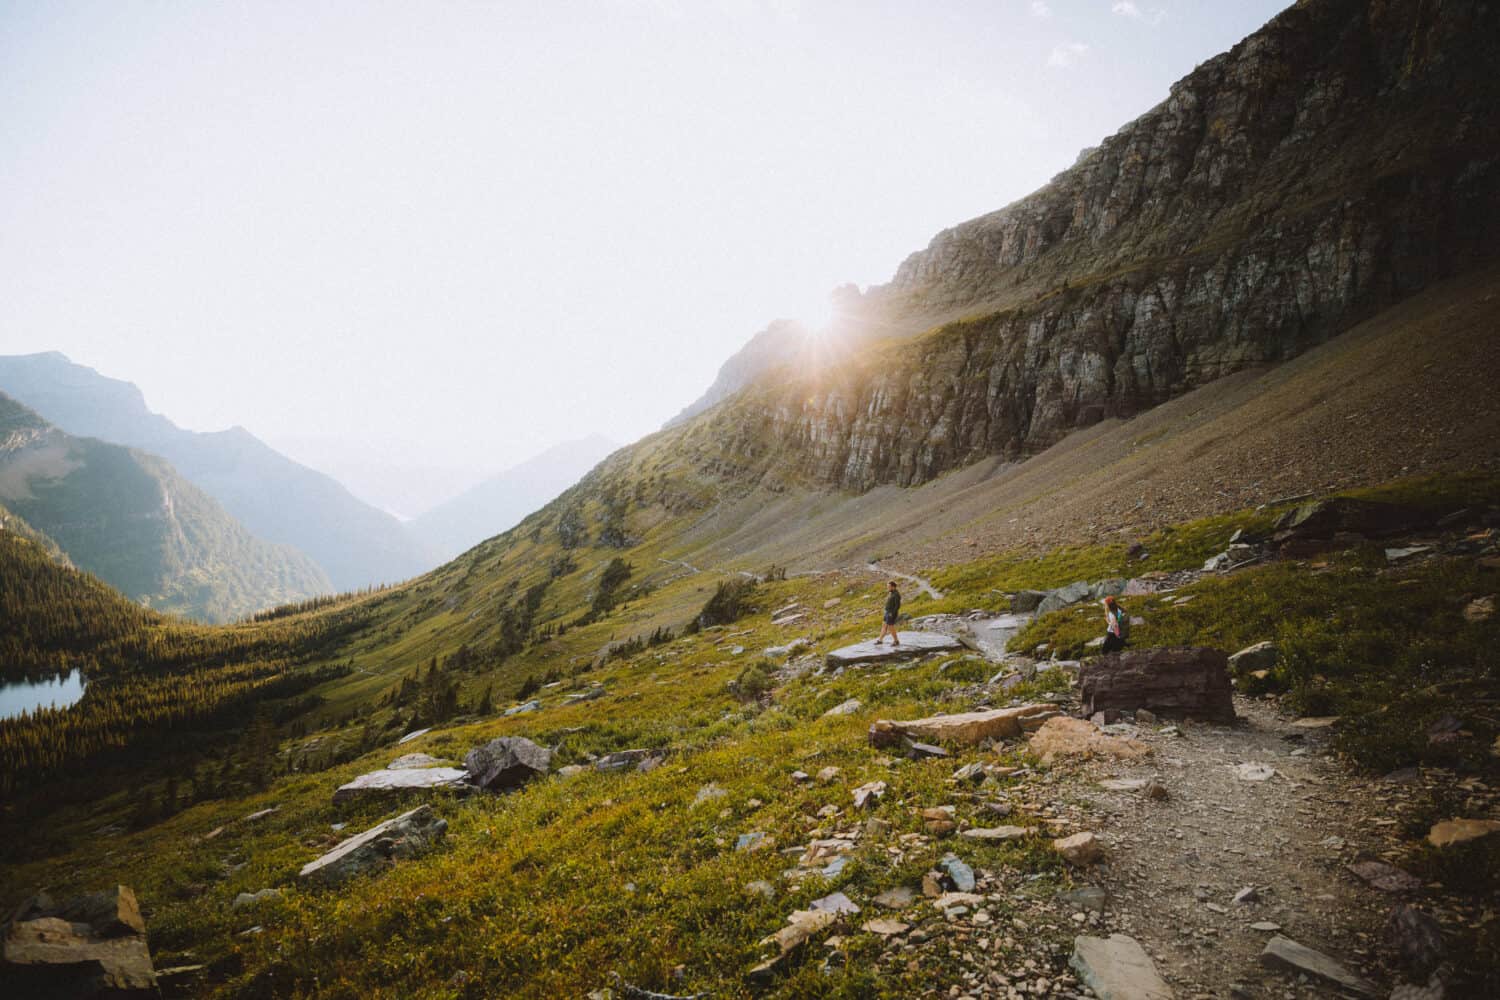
276, 497
130, 519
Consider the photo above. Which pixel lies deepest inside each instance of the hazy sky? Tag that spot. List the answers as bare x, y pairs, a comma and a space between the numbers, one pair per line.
415, 242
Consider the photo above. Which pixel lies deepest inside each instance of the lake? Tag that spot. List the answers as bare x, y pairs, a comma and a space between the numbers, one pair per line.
25, 696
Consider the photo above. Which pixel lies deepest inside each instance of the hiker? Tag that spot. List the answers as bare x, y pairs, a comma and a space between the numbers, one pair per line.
892, 612
1116, 625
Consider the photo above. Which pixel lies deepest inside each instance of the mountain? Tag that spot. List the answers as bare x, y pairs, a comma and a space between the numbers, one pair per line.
1329, 165
131, 520
1022, 440
277, 499
500, 502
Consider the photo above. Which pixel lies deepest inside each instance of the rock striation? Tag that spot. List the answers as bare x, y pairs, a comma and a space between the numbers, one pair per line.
1191, 681
1332, 163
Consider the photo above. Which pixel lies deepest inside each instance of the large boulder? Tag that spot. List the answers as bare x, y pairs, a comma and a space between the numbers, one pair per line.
379, 784
89, 946
1323, 519
1177, 681
407, 836
1063, 596
507, 762
963, 729
912, 644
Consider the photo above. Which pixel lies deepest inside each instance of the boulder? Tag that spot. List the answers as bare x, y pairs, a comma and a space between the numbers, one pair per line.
1261, 656
1191, 681
1418, 939
624, 760
407, 836
89, 946
507, 762
1323, 519
912, 644
376, 784
1284, 953
1117, 968
245, 899
845, 708
1067, 737
1027, 600
964, 728
1064, 596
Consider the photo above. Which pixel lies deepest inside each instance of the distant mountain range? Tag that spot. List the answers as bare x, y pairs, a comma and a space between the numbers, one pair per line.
276, 498
499, 503
131, 520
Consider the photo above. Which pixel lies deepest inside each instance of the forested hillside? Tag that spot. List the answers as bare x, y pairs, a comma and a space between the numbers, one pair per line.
131, 520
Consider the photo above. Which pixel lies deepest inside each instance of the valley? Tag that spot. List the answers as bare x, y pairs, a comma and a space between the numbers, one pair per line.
1233, 369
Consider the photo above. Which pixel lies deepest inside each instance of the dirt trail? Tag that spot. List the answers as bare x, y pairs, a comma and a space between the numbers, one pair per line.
1177, 864
922, 585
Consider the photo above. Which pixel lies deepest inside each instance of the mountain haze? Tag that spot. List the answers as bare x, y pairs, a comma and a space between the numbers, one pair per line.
132, 521
276, 498
499, 503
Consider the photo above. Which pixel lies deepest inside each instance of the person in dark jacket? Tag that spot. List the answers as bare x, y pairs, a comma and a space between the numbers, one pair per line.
892, 612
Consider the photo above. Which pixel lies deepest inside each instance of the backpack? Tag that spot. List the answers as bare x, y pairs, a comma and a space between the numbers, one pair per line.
1122, 619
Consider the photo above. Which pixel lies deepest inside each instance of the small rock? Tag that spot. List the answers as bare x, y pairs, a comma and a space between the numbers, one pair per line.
245, 899
1247, 895
827, 774
709, 793
1386, 878
868, 794
961, 874
1460, 831
844, 708
1089, 898
753, 841
996, 834
1079, 849
835, 902
760, 887
898, 898
1265, 926
1480, 609
1261, 656
1253, 771
1418, 939
1284, 953
1145, 717
885, 927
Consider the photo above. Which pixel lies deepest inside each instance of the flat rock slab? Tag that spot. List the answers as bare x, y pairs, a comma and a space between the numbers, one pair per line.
1284, 953
1117, 968
420, 779
964, 728
407, 836
912, 644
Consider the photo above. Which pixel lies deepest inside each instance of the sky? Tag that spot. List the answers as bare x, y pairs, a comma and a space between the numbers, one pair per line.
412, 244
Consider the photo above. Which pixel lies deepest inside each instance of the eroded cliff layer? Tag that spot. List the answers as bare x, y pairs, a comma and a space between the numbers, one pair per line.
1334, 162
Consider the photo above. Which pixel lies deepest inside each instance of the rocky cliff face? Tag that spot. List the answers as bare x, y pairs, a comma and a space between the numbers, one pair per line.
1339, 159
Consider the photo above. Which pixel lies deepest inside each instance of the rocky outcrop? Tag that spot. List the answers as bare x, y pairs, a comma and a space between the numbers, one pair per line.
507, 762
964, 728
1330, 164
89, 946
407, 836
1179, 681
